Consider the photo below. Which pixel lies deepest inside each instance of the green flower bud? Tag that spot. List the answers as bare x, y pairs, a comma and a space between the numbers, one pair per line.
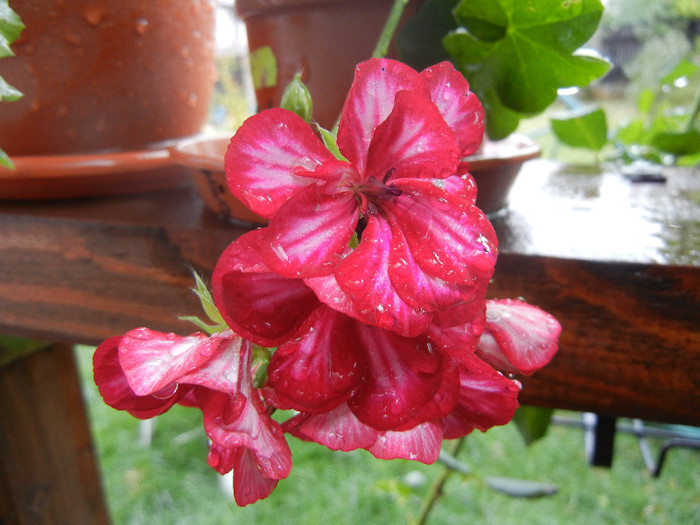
297, 98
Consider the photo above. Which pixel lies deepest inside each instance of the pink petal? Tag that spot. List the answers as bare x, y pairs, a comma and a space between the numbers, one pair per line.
417, 288
242, 421
486, 399
310, 232
261, 306
458, 340
250, 483
448, 238
331, 294
363, 276
459, 107
403, 376
518, 338
320, 368
421, 443
155, 361
414, 141
369, 103
262, 157
338, 429
115, 390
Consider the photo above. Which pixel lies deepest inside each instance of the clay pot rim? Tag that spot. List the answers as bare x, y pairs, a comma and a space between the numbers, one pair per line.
90, 164
514, 149
249, 8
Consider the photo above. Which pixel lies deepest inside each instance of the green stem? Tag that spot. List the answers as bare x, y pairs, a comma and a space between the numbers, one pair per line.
389, 30
436, 490
694, 113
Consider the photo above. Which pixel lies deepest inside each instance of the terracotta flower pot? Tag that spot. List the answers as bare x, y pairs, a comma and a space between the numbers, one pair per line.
107, 75
324, 39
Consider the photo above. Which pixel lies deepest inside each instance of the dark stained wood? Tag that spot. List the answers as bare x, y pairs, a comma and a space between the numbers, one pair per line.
48, 473
630, 343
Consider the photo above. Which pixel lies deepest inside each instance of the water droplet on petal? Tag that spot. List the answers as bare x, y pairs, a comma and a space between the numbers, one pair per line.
166, 392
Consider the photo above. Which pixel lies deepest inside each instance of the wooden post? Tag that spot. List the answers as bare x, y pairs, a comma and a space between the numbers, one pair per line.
48, 473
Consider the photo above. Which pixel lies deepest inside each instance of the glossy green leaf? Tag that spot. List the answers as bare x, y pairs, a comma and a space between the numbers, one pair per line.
533, 422
534, 57
586, 129
521, 488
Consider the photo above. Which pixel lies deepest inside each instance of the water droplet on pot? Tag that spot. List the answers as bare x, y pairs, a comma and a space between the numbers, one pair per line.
141, 25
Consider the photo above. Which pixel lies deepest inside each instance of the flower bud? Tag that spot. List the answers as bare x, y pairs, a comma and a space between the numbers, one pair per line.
296, 98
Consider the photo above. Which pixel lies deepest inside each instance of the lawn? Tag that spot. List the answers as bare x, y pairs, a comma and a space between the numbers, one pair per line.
169, 482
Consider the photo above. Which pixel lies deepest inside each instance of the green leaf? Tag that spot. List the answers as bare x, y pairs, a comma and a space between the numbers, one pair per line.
586, 129
684, 68
521, 488
10, 23
12, 348
6, 161
297, 98
263, 67
330, 141
7, 92
646, 101
533, 422
524, 50
10, 28
685, 143
419, 42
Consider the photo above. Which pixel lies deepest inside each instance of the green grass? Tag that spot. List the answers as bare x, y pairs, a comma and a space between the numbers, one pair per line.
169, 482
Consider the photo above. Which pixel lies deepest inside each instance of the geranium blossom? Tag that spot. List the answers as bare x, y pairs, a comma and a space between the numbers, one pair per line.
147, 372
424, 246
367, 288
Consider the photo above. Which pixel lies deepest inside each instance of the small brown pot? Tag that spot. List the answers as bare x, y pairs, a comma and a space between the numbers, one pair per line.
107, 75
322, 39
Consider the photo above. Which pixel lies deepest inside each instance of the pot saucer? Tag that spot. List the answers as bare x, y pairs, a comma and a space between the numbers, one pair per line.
44, 177
204, 155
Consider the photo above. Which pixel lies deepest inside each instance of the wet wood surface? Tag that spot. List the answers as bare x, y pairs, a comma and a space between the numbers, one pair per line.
617, 262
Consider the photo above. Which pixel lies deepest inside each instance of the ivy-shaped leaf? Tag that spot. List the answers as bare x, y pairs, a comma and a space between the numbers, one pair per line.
520, 52
584, 129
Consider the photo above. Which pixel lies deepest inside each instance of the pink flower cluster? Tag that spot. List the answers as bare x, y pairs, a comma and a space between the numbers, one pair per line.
369, 282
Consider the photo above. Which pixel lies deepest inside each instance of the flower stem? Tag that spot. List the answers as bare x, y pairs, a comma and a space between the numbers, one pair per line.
437, 488
389, 30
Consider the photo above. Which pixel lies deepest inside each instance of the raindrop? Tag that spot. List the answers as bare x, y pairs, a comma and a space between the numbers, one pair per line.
141, 25
166, 392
